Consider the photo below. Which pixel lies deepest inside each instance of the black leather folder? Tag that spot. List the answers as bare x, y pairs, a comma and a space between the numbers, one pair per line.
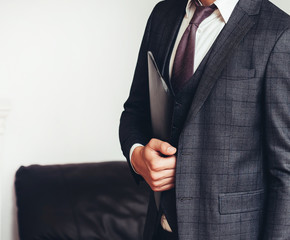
161, 103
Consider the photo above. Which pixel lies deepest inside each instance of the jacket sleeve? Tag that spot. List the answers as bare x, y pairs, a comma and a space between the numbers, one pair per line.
135, 122
277, 140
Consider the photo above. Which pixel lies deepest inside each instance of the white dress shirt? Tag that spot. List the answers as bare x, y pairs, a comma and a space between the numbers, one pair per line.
206, 34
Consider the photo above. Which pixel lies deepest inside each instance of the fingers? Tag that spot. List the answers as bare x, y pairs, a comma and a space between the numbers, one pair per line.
162, 147
158, 179
157, 170
166, 163
164, 188
163, 185
161, 181
154, 161
159, 176
158, 163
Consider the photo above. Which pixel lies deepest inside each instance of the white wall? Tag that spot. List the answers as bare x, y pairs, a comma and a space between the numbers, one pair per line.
283, 4
65, 67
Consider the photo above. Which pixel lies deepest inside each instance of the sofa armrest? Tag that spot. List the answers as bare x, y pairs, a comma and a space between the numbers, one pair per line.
80, 201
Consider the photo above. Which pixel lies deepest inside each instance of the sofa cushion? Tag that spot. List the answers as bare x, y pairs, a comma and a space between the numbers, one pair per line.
87, 201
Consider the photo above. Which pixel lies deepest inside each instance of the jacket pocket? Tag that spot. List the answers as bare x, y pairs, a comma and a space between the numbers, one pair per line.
239, 74
241, 202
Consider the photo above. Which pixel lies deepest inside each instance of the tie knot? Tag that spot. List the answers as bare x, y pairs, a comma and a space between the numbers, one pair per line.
201, 13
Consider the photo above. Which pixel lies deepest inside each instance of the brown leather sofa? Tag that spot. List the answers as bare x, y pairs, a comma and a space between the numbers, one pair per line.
90, 201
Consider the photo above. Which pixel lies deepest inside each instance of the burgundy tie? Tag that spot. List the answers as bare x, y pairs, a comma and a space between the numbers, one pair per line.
184, 59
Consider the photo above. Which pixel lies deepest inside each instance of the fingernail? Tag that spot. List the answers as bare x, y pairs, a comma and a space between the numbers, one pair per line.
171, 149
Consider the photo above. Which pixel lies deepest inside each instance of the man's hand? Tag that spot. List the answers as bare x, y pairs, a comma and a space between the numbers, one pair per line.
156, 163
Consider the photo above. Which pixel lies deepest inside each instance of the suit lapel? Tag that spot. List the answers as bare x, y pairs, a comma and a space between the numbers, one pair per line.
234, 31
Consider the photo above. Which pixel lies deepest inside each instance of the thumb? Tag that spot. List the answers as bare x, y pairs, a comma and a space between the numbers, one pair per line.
163, 147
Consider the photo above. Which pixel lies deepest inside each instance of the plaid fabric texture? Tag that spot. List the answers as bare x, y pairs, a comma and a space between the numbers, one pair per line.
230, 123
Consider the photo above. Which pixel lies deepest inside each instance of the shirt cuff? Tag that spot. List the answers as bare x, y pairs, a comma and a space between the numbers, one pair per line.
131, 152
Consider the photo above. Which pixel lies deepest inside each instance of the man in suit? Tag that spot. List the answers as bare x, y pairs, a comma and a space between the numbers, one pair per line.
225, 172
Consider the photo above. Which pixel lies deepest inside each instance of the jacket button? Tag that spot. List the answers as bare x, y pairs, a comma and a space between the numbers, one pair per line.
183, 199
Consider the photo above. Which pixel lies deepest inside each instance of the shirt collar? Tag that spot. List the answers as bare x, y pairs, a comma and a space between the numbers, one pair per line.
226, 7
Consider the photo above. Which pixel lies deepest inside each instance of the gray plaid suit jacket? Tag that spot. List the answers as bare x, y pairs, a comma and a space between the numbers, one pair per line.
230, 124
